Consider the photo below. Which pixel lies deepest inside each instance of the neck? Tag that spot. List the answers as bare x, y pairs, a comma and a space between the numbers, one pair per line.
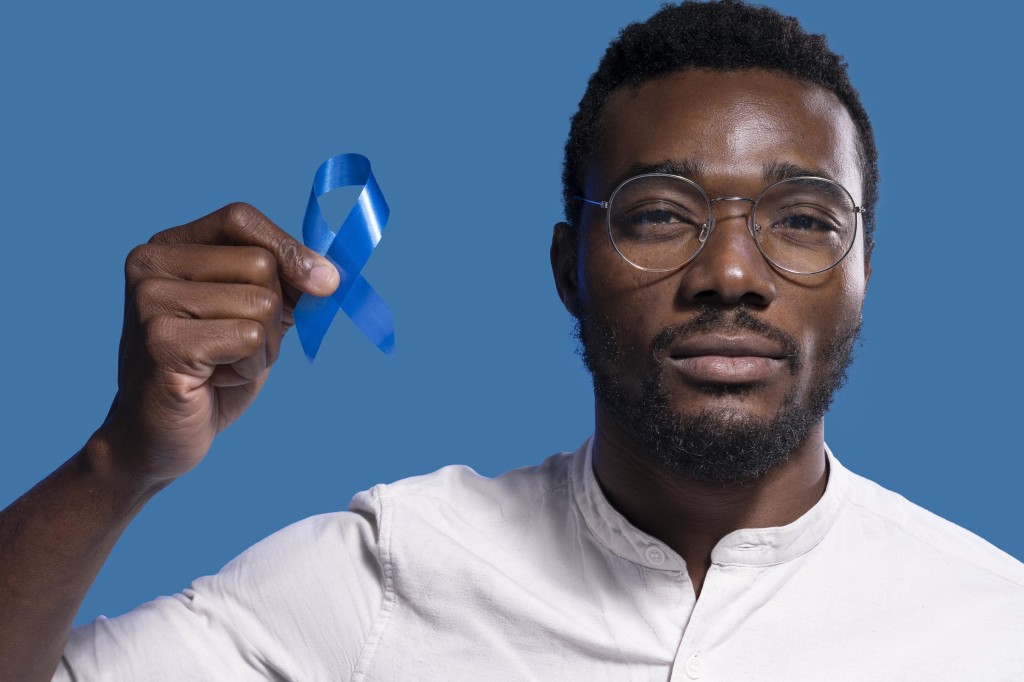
692, 516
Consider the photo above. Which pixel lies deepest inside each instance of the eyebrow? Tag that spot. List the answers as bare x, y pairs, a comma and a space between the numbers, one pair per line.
688, 168
781, 170
696, 170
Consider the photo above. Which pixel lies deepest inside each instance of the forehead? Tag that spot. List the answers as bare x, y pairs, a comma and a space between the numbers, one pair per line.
731, 127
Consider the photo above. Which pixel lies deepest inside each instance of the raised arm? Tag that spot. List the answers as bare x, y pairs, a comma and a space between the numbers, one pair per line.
206, 307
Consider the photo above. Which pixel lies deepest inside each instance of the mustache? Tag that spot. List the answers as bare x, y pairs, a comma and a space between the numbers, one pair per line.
713, 319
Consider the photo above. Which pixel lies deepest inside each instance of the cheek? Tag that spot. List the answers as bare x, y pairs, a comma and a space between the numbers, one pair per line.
853, 284
833, 309
635, 305
615, 290
601, 279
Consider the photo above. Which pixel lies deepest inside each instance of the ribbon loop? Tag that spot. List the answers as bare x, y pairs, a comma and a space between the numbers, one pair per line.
349, 249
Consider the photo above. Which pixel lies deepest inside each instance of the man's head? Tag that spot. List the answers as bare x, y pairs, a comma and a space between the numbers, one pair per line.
724, 36
722, 368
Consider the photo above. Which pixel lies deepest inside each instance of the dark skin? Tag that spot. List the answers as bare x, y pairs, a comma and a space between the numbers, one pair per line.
732, 126
206, 306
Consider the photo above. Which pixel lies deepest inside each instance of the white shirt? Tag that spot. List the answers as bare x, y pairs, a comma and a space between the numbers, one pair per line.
534, 576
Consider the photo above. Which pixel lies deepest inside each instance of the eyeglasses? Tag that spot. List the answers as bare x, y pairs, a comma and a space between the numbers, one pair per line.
660, 222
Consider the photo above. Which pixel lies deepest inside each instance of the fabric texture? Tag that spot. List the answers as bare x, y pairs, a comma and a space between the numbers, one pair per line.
533, 575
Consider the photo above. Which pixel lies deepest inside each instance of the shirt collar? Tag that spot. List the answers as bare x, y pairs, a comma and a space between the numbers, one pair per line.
744, 547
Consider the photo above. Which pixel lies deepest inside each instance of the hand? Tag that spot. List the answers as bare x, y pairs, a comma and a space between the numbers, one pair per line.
206, 307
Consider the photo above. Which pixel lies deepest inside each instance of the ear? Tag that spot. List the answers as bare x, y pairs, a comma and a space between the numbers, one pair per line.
563, 266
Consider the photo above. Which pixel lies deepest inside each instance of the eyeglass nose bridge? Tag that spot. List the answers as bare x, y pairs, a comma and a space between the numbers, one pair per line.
710, 225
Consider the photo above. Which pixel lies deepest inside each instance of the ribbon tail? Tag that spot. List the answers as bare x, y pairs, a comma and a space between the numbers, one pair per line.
371, 314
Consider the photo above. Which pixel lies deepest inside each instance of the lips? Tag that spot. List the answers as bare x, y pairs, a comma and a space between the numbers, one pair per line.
727, 359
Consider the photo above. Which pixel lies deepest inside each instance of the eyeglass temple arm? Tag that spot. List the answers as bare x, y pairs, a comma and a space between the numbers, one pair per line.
602, 204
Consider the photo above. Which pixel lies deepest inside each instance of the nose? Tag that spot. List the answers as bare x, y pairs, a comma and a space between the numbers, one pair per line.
730, 269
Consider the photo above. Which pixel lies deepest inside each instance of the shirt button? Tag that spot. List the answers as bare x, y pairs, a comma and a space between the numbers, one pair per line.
694, 667
655, 555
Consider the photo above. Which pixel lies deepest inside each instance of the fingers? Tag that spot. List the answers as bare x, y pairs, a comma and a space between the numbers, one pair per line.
205, 348
206, 307
198, 263
155, 297
242, 225
235, 272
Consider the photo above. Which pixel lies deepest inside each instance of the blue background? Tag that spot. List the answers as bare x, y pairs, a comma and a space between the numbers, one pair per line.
119, 120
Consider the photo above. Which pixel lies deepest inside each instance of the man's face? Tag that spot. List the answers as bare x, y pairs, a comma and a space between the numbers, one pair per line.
722, 368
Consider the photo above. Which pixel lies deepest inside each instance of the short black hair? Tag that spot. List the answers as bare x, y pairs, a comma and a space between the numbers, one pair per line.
724, 35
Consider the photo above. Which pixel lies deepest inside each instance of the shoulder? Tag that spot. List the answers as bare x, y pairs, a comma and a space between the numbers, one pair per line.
936, 541
460, 489
455, 526
301, 602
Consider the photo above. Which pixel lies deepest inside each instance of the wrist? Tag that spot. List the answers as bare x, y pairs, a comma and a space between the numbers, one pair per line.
103, 460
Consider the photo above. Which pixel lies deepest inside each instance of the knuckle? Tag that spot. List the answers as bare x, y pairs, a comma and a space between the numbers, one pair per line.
149, 295
262, 263
139, 262
240, 216
251, 334
291, 254
264, 303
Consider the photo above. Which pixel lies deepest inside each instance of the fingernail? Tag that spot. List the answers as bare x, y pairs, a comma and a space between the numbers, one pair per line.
323, 276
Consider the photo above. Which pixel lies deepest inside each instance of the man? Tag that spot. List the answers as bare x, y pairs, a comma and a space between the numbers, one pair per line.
719, 183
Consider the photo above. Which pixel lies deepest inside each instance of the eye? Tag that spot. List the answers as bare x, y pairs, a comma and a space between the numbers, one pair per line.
652, 217
657, 214
804, 221
658, 223
802, 226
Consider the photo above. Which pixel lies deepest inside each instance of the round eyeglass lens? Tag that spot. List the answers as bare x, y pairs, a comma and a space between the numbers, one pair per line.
805, 225
658, 222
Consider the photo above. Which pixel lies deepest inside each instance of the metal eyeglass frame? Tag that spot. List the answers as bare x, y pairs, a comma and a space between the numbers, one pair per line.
708, 227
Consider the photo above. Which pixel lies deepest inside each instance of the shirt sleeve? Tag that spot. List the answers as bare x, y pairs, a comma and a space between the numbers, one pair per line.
297, 606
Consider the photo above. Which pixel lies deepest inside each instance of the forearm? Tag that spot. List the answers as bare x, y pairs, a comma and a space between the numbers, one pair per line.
53, 541
206, 307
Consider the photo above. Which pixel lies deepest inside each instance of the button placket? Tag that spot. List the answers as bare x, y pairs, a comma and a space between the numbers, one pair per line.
691, 660
694, 666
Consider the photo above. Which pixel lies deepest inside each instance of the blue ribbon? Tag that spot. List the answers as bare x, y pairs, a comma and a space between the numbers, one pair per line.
348, 249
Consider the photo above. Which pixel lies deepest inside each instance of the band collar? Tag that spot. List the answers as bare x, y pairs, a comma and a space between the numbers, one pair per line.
744, 547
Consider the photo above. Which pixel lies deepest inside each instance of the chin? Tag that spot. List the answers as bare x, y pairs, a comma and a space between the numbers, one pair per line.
720, 432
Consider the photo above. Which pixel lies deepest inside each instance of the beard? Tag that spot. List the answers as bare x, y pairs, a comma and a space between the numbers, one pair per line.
711, 445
